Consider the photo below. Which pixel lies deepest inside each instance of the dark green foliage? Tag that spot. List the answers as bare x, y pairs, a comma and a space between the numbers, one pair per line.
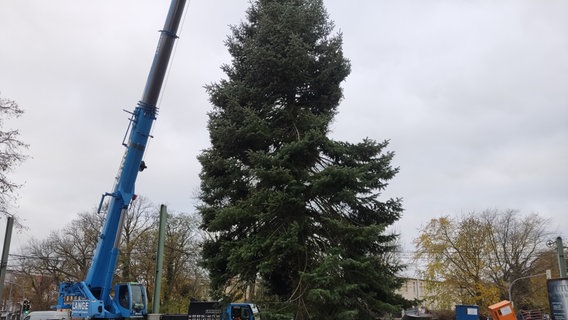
289, 209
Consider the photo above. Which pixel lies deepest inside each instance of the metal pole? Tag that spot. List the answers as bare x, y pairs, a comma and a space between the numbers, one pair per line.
561, 259
513, 282
160, 259
5, 252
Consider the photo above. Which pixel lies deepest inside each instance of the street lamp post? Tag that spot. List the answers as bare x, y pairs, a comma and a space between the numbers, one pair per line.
521, 278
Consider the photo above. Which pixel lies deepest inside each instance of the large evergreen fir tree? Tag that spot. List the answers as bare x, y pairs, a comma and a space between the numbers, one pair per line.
292, 213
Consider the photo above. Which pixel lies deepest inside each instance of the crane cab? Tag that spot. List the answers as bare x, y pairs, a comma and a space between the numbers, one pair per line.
243, 311
131, 299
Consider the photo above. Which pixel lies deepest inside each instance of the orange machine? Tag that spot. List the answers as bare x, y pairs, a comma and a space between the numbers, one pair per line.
502, 311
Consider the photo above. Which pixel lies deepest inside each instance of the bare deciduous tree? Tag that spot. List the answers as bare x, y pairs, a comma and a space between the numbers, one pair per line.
66, 255
182, 274
11, 152
140, 220
518, 242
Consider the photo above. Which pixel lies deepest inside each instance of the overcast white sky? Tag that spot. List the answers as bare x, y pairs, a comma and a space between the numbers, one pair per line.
473, 96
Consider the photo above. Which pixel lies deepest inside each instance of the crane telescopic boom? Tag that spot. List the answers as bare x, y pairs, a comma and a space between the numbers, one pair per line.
129, 300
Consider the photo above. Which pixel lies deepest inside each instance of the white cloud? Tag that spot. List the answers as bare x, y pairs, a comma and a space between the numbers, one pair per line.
471, 94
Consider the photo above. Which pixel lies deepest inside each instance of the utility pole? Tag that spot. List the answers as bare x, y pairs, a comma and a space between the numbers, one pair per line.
5, 252
561, 259
160, 259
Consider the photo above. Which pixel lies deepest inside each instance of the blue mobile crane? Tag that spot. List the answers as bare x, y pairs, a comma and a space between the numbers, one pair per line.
93, 297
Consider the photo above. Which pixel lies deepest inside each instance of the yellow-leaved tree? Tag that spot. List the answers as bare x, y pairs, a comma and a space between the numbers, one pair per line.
474, 259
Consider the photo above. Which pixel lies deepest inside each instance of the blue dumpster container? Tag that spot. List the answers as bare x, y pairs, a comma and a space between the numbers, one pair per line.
464, 312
